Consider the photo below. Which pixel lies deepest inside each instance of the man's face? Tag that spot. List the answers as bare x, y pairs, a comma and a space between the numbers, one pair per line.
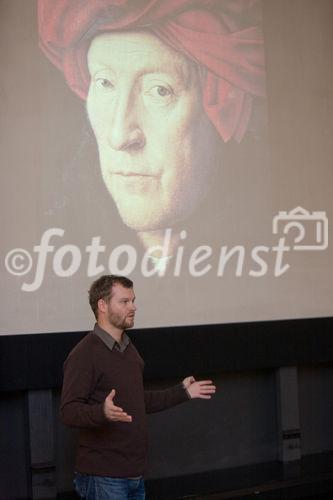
156, 145
120, 310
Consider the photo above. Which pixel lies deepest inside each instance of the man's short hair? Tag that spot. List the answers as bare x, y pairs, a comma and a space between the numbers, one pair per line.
102, 289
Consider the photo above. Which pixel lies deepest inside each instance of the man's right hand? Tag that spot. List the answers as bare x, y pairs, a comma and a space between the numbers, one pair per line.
113, 412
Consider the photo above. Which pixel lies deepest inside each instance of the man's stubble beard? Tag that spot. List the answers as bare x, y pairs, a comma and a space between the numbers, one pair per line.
119, 322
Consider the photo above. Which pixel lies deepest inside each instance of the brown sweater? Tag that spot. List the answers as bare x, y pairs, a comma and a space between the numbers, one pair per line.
91, 371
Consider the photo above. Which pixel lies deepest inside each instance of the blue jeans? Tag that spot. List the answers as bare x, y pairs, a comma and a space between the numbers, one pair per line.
108, 488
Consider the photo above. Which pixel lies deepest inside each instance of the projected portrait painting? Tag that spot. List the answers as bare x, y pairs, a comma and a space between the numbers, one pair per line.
142, 138
141, 127
167, 85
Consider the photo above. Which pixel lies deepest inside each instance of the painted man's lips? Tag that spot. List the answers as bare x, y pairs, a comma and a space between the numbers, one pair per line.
133, 174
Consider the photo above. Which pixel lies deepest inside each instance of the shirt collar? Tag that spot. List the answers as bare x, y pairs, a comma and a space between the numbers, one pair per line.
109, 341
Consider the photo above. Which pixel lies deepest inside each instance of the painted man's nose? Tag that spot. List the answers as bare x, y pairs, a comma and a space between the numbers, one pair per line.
124, 132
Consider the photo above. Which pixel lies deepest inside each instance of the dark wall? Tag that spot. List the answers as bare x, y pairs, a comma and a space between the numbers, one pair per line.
14, 446
175, 351
254, 365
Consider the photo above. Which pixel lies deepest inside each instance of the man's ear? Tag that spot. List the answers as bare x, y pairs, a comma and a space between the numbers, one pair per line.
102, 306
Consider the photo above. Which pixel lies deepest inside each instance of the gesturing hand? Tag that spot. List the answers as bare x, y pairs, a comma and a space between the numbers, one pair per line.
113, 412
202, 389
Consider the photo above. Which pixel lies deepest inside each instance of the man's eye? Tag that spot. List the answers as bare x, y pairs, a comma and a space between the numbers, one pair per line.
162, 91
104, 83
160, 94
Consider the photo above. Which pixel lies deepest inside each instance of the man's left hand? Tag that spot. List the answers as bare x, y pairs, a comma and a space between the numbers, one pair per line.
203, 389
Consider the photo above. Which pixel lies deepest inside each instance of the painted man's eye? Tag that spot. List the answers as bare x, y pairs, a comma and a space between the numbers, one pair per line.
104, 83
160, 94
162, 91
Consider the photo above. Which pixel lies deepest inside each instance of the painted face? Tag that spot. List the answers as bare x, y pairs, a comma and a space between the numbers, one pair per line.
121, 307
156, 144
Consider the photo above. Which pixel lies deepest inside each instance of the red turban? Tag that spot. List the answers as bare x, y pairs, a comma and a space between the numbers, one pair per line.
222, 36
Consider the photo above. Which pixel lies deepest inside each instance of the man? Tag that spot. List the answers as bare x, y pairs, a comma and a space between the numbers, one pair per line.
103, 396
156, 145
166, 84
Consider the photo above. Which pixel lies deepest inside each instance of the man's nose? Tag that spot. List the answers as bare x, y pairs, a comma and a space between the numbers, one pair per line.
124, 131
132, 306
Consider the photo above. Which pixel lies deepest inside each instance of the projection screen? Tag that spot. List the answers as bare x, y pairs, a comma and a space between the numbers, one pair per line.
184, 144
